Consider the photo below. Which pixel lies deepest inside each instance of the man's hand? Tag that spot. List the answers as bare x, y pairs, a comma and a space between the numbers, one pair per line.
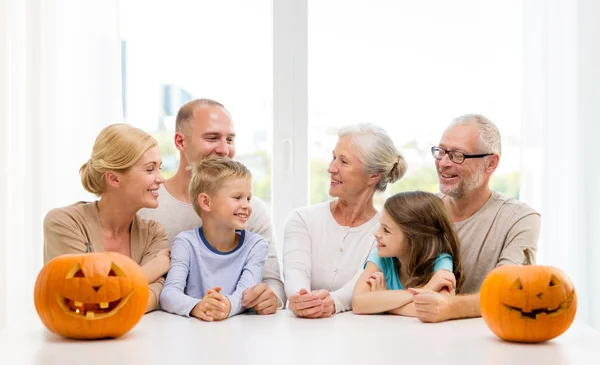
377, 281
430, 306
442, 279
214, 306
327, 300
261, 298
305, 304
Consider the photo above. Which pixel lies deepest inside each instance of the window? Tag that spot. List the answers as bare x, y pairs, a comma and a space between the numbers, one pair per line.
411, 67
180, 50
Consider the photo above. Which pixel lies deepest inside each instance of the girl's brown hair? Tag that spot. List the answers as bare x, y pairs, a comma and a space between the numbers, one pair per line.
428, 232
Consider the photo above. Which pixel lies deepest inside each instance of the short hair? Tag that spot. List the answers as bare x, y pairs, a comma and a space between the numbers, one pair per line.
489, 135
377, 152
117, 147
211, 173
186, 114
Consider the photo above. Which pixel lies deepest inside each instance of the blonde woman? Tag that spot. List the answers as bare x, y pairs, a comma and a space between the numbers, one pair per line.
123, 172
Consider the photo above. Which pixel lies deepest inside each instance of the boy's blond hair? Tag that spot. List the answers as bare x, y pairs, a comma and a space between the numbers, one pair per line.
210, 174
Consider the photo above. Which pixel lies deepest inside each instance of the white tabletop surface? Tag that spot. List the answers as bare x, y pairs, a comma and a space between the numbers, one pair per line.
162, 338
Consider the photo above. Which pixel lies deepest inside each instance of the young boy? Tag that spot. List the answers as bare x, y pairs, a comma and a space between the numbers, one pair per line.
213, 264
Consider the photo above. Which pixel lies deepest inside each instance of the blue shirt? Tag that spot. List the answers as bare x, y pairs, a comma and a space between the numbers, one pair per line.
389, 267
197, 266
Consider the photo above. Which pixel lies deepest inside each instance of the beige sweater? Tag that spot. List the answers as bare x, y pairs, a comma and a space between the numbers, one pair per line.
68, 230
496, 235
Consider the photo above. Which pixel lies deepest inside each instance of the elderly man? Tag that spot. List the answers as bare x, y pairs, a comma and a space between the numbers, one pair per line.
493, 229
204, 128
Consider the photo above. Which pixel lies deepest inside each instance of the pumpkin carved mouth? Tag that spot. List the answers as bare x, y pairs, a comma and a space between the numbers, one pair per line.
534, 313
91, 311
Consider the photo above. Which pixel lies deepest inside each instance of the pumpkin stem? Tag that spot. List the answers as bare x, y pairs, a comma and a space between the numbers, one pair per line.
528, 256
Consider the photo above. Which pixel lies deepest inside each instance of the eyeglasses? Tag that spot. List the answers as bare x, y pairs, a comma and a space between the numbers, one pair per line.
457, 157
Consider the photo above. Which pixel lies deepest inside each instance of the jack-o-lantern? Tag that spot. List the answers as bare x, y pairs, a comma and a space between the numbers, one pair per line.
92, 295
529, 303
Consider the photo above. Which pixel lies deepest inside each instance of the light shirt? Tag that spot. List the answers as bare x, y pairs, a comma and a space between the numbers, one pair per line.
495, 235
177, 216
319, 253
196, 266
390, 266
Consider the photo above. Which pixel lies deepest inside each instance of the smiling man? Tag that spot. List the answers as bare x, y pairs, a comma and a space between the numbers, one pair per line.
204, 128
493, 229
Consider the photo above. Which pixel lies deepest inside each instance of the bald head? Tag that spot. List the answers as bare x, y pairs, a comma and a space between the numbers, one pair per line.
185, 115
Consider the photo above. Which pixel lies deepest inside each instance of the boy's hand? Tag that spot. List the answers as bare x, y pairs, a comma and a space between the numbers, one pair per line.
222, 313
212, 307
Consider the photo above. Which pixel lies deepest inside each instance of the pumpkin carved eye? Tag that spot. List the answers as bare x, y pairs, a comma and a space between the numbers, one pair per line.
115, 271
554, 281
517, 285
75, 272
79, 274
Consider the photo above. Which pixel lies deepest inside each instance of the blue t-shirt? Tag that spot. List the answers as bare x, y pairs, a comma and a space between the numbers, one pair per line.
389, 267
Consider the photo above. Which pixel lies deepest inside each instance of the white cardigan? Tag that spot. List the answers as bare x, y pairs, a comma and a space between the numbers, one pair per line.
318, 253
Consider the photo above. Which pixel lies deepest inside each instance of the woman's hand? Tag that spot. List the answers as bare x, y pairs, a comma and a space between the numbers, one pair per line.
164, 252
305, 304
328, 303
377, 281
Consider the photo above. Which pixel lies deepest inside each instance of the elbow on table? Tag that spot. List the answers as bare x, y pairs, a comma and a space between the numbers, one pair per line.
358, 306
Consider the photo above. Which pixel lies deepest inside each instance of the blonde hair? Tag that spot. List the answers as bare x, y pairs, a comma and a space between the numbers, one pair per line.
210, 174
183, 121
117, 148
377, 152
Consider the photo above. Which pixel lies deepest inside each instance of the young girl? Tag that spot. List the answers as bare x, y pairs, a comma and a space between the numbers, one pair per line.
417, 246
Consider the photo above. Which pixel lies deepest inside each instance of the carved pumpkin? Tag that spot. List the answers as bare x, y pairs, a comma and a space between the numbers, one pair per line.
528, 303
92, 295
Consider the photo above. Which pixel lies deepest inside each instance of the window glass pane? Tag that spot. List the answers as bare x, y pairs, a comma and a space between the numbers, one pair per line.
411, 67
178, 50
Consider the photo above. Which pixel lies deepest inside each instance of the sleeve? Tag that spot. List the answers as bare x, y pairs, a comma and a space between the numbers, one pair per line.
157, 236
297, 251
262, 225
173, 299
443, 262
523, 235
62, 235
343, 296
251, 275
374, 258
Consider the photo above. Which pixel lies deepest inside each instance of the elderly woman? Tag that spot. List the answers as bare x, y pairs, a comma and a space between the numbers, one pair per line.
325, 245
124, 172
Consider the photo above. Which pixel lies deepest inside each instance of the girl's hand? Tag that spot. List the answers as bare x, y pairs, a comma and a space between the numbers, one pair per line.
442, 280
377, 281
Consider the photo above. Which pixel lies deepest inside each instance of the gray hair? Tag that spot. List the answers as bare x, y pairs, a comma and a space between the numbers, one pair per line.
377, 152
489, 136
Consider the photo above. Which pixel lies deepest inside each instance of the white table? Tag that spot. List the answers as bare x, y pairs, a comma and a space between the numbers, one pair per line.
162, 338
